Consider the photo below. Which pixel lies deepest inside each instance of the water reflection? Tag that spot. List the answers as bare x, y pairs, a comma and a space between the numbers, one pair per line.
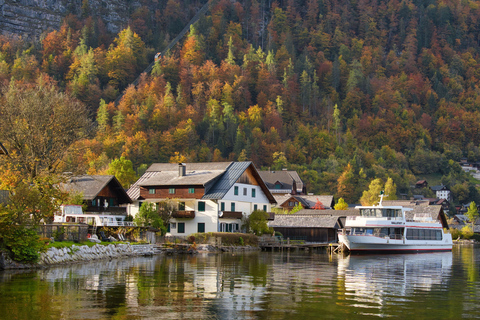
375, 281
249, 286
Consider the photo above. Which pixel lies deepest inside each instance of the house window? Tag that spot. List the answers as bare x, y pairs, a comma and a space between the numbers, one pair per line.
201, 227
93, 203
191, 190
201, 206
255, 207
173, 225
291, 203
253, 193
265, 207
232, 206
151, 190
278, 186
181, 206
244, 191
171, 190
181, 227
235, 190
222, 206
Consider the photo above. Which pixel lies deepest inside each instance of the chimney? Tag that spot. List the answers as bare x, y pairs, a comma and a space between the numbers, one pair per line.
182, 169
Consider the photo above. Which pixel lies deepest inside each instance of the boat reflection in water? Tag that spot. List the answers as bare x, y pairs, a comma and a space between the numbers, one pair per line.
374, 281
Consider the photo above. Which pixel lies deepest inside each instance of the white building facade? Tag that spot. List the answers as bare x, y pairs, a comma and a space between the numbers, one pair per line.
209, 197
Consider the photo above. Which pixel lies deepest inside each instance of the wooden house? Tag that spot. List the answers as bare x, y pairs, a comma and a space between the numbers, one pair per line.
210, 196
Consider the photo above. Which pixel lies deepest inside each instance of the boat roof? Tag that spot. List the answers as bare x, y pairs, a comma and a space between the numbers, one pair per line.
384, 207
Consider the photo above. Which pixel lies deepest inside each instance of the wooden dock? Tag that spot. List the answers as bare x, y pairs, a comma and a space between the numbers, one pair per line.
293, 245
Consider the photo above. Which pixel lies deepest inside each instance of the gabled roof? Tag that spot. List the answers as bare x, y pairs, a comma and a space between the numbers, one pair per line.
228, 179
216, 177
337, 213
285, 177
305, 221
439, 188
3, 150
92, 185
307, 201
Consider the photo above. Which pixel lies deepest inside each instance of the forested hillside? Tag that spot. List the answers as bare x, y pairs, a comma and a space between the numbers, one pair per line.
341, 91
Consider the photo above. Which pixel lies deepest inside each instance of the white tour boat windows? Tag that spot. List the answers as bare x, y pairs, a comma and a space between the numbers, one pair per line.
423, 234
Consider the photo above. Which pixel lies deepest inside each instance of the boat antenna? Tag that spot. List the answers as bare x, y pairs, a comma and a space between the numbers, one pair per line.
382, 194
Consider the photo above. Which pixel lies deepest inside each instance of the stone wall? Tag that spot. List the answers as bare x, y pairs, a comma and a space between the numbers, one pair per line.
78, 254
30, 18
86, 253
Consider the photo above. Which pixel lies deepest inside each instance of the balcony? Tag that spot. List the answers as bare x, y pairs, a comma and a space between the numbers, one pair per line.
231, 215
184, 214
107, 210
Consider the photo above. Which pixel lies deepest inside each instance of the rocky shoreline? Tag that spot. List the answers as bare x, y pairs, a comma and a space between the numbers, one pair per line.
78, 254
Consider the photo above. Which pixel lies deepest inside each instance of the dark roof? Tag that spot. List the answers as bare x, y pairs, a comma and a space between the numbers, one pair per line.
196, 174
305, 221
228, 179
337, 213
216, 177
438, 188
309, 201
92, 185
286, 179
3, 150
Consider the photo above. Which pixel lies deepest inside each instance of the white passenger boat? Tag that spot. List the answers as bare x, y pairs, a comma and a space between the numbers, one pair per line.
386, 229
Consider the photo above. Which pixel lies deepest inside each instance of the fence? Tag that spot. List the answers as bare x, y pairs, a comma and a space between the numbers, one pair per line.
76, 232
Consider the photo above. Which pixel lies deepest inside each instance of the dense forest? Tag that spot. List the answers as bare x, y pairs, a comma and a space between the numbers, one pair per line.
341, 91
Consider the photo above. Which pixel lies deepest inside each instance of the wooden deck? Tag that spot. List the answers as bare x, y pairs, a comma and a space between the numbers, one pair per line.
289, 245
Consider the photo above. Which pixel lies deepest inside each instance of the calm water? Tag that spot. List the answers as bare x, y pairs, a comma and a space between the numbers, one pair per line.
262, 285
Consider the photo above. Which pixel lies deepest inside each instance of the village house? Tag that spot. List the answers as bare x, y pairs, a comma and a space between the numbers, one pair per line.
283, 182
210, 197
421, 184
288, 202
311, 225
104, 200
442, 192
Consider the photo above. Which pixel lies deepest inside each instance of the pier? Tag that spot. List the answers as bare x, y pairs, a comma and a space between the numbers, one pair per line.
289, 245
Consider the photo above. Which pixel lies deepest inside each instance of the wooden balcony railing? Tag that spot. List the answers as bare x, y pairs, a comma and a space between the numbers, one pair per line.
107, 210
184, 214
231, 215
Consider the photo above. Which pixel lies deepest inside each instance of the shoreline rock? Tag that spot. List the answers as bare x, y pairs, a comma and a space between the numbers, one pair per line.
78, 254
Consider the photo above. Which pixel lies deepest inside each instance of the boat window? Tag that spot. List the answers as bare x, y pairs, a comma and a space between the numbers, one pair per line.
424, 234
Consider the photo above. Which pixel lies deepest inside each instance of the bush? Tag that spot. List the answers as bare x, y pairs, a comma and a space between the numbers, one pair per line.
24, 244
228, 239
455, 233
467, 232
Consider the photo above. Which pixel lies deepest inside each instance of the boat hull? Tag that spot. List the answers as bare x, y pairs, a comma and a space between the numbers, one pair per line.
368, 244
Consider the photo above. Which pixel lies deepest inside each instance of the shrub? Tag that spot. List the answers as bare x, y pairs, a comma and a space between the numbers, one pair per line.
228, 239
467, 232
24, 244
455, 233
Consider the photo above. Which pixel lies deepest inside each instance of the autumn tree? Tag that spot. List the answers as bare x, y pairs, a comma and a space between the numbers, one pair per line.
341, 205
371, 196
122, 169
39, 125
126, 58
472, 213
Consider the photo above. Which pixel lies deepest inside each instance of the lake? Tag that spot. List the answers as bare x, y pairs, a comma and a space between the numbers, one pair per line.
260, 285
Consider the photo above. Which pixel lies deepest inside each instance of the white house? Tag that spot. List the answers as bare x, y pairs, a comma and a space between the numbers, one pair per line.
442, 192
210, 197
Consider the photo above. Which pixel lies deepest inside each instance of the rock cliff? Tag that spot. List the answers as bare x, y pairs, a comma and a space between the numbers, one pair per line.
29, 18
